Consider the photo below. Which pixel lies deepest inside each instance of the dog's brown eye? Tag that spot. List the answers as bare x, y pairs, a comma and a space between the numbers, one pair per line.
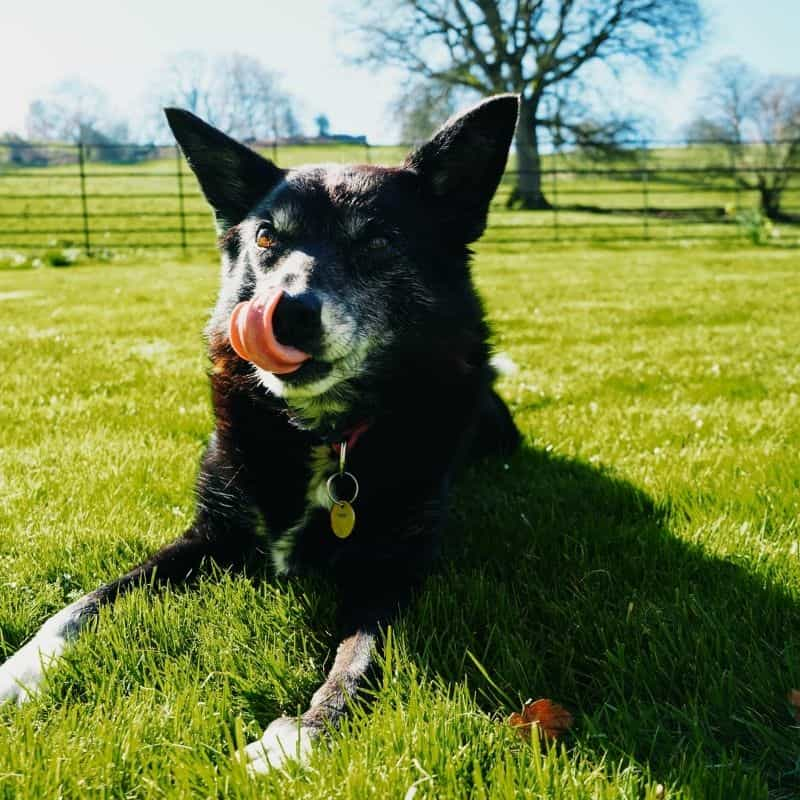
265, 238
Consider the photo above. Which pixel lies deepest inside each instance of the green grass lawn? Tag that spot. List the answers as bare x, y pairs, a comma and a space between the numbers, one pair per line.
637, 561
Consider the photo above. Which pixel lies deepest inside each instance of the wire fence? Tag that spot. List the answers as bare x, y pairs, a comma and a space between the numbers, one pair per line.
111, 197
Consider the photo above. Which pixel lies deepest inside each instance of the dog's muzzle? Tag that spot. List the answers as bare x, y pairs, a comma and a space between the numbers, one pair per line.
275, 333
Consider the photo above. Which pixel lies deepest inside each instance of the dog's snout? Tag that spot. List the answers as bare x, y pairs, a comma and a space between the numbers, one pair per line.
297, 321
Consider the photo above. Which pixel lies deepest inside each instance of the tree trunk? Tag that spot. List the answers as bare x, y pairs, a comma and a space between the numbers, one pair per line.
527, 192
770, 201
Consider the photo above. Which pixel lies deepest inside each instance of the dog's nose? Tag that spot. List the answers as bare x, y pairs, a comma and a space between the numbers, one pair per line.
297, 321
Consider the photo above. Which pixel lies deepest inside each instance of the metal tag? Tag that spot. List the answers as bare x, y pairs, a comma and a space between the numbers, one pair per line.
343, 519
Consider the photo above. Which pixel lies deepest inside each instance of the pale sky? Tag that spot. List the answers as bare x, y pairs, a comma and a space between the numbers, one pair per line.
119, 45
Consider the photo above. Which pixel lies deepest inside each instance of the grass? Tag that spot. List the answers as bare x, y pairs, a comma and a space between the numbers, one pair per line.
637, 561
138, 206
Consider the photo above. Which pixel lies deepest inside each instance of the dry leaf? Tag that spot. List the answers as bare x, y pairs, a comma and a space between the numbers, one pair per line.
550, 719
794, 702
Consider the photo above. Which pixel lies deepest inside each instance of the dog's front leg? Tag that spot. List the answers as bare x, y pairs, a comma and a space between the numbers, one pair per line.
371, 596
223, 531
292, 737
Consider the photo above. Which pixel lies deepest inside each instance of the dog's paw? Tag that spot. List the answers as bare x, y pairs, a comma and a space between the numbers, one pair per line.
285, 739
23, 673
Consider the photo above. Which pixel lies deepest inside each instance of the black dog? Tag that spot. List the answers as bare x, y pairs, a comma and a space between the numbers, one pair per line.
350, 374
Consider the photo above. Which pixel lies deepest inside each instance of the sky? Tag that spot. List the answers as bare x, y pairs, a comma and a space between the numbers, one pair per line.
119, 46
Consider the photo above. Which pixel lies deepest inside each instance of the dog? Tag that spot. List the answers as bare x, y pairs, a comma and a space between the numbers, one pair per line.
350, 375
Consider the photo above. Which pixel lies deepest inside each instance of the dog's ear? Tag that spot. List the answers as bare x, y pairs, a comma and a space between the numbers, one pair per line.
461, 165
233, 177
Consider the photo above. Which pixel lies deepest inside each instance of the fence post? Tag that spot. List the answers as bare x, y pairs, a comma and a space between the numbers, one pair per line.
84, 204
645, 192
181, 209
554, 173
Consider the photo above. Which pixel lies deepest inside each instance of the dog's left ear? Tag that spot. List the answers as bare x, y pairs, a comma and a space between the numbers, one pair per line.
461, 165
233, 177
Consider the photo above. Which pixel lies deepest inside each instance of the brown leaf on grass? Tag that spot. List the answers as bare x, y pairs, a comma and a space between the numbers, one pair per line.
550, 720
794, 702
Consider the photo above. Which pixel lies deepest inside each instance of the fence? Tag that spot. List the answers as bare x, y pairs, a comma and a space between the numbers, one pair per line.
109, 197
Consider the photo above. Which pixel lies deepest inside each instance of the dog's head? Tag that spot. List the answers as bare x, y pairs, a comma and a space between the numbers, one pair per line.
329, 269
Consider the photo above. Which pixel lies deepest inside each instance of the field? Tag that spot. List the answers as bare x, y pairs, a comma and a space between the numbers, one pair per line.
663, 193
638, 560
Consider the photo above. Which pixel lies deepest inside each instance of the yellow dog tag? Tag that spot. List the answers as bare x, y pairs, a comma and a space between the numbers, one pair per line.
343, 519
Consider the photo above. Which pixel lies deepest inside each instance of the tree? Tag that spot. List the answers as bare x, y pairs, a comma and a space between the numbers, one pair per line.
757, 119
290, 124
233, 92
539, 49
76, 111
188, 80
323, 125
422, 108
69, 110
252, 102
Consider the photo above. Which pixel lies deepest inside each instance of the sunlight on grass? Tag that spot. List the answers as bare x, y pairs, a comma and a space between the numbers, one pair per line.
637, 561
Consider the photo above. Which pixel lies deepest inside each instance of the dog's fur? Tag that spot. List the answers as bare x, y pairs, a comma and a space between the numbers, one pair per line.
400, 352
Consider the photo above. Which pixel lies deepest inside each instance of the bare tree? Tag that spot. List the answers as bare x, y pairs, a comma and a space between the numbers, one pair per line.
76, 111
290, 123
189, 80
234, 92
536, 48
757, 119
70, 111
252, 100
422, 107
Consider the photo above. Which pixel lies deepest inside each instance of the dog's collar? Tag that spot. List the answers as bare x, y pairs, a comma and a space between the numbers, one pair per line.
351, 436
348, 436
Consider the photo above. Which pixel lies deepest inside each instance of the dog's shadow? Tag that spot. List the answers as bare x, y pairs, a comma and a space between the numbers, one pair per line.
566, 582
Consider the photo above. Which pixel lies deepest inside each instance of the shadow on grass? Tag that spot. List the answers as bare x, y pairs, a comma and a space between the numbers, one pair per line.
705, 214
702, 214
566, 582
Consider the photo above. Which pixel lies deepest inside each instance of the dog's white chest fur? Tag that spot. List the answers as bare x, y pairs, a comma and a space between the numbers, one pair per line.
323, 465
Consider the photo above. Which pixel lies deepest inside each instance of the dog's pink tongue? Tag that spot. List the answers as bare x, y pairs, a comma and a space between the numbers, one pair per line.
252, 337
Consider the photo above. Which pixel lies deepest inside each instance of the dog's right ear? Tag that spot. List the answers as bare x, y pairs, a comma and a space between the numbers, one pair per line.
233, 177
461, 165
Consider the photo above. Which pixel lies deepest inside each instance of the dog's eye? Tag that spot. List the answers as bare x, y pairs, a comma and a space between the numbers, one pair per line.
265, 237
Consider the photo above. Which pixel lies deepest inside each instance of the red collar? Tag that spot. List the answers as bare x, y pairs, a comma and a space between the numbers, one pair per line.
351, 436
